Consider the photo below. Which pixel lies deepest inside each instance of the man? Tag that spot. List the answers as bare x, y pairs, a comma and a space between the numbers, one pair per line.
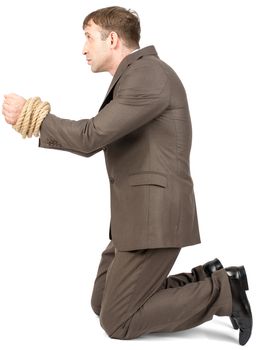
144, 129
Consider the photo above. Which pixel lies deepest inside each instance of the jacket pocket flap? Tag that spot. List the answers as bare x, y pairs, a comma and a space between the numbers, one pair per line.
148, 179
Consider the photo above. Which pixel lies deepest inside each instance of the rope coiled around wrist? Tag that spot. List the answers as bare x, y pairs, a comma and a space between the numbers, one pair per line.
33, 113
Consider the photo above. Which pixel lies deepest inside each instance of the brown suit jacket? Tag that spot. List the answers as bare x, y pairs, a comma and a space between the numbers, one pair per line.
144, 128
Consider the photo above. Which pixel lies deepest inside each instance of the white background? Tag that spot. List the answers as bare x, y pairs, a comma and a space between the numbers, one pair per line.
55, 207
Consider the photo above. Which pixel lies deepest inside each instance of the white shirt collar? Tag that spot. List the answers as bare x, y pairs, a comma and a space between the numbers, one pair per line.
135, 50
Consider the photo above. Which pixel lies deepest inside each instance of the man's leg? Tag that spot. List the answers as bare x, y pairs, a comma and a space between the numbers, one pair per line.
197, 274
107, 257
134, 303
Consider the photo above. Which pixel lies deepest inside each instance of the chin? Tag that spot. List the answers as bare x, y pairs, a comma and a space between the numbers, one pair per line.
97, 69
94, 70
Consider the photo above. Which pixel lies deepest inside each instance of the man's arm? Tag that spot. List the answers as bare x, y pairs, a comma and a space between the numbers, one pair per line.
141, 97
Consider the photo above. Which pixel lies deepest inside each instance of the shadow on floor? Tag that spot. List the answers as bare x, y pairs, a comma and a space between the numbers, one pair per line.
196, 333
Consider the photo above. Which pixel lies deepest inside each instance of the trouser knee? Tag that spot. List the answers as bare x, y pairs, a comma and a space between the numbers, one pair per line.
114, 327
109, 324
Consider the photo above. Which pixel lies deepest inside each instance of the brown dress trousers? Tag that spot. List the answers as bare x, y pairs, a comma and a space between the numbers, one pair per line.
133, 295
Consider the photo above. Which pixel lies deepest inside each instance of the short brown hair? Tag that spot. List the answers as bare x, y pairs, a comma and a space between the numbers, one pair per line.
124, 22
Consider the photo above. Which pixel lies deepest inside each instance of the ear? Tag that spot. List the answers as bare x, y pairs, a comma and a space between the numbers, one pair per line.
113, 40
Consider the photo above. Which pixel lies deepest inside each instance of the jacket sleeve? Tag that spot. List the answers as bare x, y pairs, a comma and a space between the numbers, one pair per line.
141, 97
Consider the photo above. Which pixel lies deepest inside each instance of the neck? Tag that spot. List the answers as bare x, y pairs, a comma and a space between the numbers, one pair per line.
120, 55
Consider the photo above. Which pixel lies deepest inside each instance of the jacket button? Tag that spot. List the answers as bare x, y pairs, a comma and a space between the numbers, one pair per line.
112, 180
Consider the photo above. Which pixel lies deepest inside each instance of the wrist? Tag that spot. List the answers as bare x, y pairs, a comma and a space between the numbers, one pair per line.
33, 113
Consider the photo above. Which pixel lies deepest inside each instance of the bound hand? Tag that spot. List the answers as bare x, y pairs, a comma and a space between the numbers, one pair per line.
12, 107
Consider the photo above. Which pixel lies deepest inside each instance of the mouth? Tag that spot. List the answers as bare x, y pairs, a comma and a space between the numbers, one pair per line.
89, 61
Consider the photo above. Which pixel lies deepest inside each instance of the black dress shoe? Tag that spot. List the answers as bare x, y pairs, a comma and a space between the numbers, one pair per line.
241, 312
212, 266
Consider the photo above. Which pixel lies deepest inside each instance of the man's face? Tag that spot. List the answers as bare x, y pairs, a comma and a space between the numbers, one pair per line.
97, 51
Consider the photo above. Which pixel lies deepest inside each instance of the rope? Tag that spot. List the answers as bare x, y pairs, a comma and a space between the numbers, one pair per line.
33, 113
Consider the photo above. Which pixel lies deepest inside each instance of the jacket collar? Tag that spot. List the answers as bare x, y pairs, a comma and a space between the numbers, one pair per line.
126, 62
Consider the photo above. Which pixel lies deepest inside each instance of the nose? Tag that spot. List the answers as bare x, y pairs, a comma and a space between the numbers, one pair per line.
85, 49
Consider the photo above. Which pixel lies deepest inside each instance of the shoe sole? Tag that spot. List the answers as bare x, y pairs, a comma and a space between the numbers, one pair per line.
244, 286
244, 335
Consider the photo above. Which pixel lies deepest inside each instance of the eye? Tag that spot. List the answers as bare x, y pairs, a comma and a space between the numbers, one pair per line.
87, 36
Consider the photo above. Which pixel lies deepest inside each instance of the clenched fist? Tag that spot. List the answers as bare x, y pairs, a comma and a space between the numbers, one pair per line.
12, 107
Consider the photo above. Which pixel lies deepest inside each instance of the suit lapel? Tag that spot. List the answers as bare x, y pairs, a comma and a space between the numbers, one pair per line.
126, 62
